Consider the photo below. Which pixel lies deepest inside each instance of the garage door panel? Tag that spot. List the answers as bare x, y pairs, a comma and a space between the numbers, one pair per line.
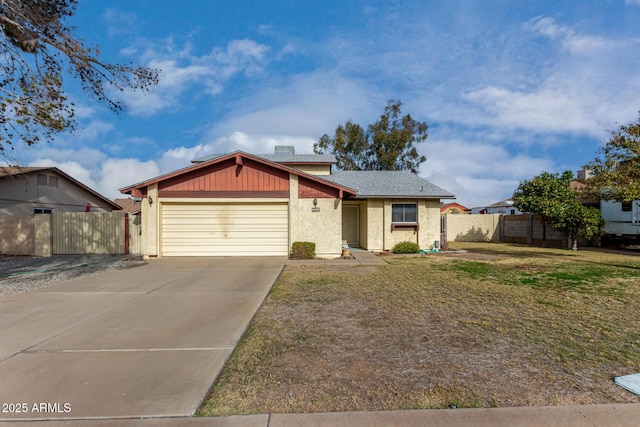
200, 229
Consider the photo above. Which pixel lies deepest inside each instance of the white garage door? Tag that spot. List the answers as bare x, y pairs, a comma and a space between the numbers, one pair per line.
242, 229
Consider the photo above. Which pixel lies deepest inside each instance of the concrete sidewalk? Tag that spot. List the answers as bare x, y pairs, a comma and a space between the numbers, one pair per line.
142, 342
616, 415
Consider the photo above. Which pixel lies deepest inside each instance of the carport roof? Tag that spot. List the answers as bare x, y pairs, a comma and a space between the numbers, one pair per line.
388, 184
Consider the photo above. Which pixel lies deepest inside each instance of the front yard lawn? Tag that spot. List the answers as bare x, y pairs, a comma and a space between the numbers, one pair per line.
498, 325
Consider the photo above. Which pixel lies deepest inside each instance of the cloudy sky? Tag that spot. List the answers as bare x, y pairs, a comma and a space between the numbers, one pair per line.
509, 88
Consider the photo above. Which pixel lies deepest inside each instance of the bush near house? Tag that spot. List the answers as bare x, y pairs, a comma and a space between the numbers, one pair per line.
406, 248
303, 250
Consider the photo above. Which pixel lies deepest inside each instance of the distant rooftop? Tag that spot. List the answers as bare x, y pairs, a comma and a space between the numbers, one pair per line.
282, 158
285, 154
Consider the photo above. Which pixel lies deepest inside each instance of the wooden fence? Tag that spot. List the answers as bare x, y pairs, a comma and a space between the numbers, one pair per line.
82, 233
17, 234
69, 233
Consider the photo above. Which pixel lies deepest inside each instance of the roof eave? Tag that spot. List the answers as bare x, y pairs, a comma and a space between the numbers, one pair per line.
403, 196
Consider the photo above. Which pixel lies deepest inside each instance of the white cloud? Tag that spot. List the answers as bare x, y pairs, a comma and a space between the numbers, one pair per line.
240, 56
304, 105
95, 169
570, 41
586, 89
544, 110
89, 158
71, 168
181, 71
117, 173
478, 173
94, 129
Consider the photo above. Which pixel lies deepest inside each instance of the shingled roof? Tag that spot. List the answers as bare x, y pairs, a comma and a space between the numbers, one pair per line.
388, 184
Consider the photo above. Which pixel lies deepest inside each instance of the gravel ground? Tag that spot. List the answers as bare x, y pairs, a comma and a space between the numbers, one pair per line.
24, 274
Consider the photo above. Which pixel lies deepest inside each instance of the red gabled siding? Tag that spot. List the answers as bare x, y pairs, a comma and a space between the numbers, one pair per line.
308, 189
228, 176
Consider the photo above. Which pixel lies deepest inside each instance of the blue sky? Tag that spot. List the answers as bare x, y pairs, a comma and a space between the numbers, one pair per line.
509, 88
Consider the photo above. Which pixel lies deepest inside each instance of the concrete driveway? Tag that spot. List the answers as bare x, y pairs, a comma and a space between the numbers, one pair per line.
142, 342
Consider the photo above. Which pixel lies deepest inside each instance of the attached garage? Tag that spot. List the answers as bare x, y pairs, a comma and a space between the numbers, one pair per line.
224, 229
239, 205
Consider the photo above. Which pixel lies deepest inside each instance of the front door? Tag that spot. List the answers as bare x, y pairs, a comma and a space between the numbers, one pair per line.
351, 224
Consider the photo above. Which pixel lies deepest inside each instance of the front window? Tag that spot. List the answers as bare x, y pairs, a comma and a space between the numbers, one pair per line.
404, 212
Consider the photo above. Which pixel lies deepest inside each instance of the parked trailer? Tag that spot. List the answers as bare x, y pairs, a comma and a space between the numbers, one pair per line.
621, 222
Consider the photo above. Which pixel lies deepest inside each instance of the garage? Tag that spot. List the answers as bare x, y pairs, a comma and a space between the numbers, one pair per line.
239, 204
224, 229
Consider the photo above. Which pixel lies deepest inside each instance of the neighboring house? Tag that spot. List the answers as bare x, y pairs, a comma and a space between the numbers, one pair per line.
242, 204
504, 207
453, 209
130, 206
36, 190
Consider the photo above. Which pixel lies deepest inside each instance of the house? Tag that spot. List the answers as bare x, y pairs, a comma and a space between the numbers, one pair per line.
130, 206
36, 190
243, 204
453, 209
504, 207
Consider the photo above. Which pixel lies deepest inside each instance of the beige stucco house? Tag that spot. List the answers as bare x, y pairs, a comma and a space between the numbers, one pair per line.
244, 204
36, 190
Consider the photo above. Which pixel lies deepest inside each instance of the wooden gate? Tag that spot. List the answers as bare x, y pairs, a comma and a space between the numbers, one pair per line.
88, 233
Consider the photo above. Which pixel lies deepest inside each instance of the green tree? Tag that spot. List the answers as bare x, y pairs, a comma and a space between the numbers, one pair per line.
616, 170
545, 195
387, 144
37, 49
551, 196
574, 219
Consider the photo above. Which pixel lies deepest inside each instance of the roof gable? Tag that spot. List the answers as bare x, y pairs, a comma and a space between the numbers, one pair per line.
14, 171
193, 178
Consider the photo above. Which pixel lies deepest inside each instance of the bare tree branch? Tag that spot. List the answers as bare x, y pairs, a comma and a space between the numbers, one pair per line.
37, 51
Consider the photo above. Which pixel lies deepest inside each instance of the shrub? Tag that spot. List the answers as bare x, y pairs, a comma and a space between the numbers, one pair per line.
303, 250
406, 248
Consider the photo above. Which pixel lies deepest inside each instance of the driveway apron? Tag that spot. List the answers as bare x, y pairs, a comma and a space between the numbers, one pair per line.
142, 342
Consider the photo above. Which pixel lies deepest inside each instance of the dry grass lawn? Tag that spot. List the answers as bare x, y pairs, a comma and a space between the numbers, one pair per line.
499, 325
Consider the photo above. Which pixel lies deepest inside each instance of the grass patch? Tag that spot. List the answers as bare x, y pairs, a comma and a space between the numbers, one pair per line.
497, 325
